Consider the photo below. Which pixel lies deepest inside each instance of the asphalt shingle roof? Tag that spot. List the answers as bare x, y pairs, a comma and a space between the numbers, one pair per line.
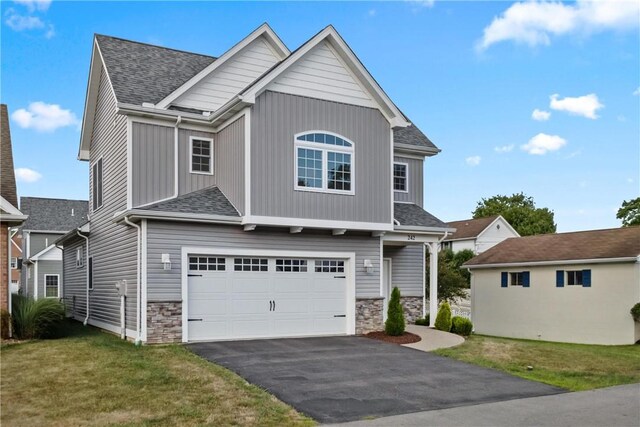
209, 200
145, 73
411, 135
53, 214
7, 175
580, 245
469, 228
411, 214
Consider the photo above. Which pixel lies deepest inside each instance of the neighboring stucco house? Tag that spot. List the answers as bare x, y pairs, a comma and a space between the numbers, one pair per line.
478, 234
263, 193
571, 287
49, 219
10, 215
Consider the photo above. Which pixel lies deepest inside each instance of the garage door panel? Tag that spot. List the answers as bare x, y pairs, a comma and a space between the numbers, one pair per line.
249, 285
258, 326
250, 305
204, 306
208, 330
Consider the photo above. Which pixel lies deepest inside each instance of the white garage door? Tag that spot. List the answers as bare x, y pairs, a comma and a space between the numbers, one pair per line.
258, 297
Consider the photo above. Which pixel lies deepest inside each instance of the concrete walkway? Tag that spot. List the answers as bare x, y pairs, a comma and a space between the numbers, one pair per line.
432, 339
614, 406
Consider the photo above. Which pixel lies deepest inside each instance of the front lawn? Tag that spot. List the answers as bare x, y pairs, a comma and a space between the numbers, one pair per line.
572, 366
94, 378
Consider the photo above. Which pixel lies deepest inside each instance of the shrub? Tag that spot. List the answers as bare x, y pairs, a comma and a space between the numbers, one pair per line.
443, 319
394, 325
35, 318
5, 324
423, 321
635, 312
461, 326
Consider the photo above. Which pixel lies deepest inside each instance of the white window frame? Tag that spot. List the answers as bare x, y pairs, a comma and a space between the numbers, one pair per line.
14, 263
79, 257
406, 177
93, 180
211, 155
57, 276
324, 148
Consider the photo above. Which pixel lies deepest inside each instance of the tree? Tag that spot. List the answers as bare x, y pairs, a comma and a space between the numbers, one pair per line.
443, 319
629, 212
460, 258
520, 211
394, 324
452, 284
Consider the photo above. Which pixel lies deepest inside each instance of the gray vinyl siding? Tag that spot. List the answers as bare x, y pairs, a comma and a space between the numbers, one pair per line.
75, 280
29, 281
168, 237
415, 181
113, 246
276, 118
187, 181
39, 241
407, 265
229, 162
153, 160
49, 267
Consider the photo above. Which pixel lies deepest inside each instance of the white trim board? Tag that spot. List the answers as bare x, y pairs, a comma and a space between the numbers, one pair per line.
316, 223
350, 272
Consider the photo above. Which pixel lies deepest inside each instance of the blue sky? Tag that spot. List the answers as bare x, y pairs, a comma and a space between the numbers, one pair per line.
470, 75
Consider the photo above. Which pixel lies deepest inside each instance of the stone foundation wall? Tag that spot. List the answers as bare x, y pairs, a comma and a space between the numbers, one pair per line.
164, 322
369, 315
412, 309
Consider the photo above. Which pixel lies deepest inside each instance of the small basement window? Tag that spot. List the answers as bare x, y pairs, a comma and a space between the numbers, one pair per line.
201, 155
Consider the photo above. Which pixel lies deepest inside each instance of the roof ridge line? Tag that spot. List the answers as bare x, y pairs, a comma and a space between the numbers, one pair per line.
155, 45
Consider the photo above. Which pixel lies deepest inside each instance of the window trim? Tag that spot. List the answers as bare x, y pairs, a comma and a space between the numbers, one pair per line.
57, 276
406, 177
13, 263
324, 148
80, 257
93, 180
211, 156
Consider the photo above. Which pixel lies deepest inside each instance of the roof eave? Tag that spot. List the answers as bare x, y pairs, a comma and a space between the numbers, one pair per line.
420, 229
552, 262
416, 149
136, 214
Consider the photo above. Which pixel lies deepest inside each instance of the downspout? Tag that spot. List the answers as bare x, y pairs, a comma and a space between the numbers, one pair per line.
138, 290
176, 162
86, 319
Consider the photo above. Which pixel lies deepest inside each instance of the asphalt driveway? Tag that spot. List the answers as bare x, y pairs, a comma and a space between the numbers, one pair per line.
337, 379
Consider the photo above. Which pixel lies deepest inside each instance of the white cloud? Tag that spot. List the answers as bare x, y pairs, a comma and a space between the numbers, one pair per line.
585, 106
50, 32
20, 23
33, 5
44, 117
637, 91
533, 23
422, 3
27, 175
543, 143
540, 115
372, 12
473, 160
503, 149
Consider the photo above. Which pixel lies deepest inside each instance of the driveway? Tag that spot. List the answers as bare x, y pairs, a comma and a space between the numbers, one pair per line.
338, 379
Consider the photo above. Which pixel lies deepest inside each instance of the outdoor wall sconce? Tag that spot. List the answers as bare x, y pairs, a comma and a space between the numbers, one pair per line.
368, 266
166, 261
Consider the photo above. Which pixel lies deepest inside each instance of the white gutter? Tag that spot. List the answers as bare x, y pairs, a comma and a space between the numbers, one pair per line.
138, 290
555, 262
177, 216
86, 319
175, 155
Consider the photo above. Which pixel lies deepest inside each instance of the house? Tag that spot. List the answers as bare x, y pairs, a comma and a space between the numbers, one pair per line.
262, 193
16, 260
478, 234
10, 215
572, 287
49, 219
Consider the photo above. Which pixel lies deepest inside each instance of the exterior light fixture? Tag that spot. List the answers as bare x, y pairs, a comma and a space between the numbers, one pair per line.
368, 266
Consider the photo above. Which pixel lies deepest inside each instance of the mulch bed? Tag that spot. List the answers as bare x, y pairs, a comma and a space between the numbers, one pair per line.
406, 338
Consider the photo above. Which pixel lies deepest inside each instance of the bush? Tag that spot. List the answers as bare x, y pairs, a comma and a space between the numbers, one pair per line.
35, 318
423, 321
461, 326
635, 312
443, 319
394, 325
5, 324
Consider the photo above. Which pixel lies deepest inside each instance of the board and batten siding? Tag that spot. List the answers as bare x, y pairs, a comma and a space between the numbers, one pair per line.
415, 181
229, 162
169, 237
321, 74
75, 280
407, 266
276, 118
113, 246
152, 165
230, 78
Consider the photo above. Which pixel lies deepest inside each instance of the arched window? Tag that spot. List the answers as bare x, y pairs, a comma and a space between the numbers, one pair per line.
324, 162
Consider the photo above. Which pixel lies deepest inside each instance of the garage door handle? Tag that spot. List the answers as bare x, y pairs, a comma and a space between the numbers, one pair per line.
195, 320
339, 277
339, 315
270, 305
274, 306
194, 275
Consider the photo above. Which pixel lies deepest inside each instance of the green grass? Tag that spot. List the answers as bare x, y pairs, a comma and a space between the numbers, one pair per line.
94, 378
572, 366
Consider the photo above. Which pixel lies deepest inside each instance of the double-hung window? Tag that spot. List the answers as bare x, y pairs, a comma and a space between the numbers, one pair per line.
324, 163
14, 263
201, 155
51, 285
96, 185
400, 177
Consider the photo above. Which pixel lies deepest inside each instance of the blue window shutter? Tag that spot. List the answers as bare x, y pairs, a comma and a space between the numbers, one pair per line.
559, 278
505, 279
586, 278
525, 279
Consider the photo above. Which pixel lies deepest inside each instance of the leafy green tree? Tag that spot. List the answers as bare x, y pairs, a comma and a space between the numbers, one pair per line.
629, 212
452, 284
520, 211
394, 324
460, 258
